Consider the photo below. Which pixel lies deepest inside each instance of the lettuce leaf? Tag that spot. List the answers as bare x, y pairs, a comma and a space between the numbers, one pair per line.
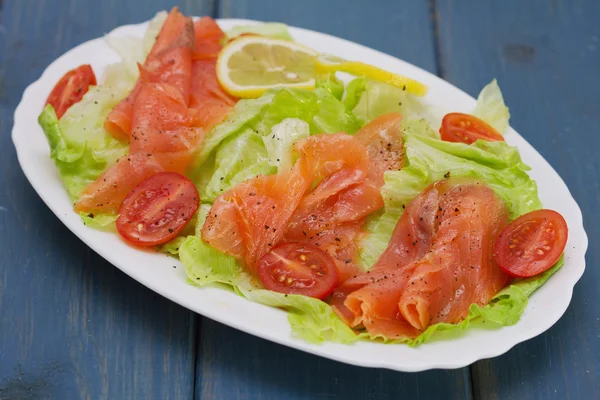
491, 108
311, 319
429, 159
331, 84
281, 143
173, 246
239, 158
503, 310
80, 148
275, 30
244, 116
79, 145
370, 99
321, 110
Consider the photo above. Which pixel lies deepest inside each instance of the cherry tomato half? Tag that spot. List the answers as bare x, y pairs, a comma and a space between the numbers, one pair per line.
71, 88
465, 128
295, 268
156, 210
531, 243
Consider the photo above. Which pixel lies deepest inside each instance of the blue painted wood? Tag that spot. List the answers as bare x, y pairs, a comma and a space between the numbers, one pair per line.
234, 365
546, 56
71, 325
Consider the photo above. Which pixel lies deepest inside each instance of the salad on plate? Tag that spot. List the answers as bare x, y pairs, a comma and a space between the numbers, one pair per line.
327, 187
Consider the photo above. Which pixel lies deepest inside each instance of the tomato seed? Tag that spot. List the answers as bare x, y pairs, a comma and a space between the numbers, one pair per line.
302, 257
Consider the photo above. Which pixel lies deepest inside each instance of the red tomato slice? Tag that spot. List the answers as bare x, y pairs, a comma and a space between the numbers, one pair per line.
71, 88
531, 243
465, 128
157, 209
295, 268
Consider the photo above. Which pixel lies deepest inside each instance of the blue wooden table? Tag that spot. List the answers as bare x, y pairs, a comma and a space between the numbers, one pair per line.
72, 326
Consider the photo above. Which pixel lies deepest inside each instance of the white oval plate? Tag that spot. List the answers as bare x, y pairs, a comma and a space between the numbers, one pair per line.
156, 271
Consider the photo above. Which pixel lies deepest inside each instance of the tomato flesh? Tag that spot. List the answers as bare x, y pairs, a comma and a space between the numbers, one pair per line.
295, 268
156, 210
71, 88
466, 128
531, 243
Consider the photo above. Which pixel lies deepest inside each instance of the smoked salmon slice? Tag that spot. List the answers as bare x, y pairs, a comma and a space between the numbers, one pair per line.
300, 205
459, 270
162, 131
383, 139
169, 61
208, 36
439, 262
332, 217
259, 210
165, 116
206, 94
164, 138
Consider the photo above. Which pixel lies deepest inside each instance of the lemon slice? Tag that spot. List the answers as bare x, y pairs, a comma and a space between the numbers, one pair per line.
249, 65
325, 63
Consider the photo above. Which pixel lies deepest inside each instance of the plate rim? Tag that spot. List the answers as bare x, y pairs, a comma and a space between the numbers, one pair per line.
293, 342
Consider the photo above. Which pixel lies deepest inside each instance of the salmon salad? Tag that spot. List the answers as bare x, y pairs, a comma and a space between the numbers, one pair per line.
328, 188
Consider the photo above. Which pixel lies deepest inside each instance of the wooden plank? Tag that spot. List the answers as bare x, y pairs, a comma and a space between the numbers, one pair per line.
71, 325
546, 56
234, 365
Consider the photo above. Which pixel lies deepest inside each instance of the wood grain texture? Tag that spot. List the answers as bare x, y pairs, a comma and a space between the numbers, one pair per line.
546, 56
71, 325
234, 365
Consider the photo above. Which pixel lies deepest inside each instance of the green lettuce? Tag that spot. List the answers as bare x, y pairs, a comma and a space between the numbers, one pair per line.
281, 143
428, 160
275, 30
491, 108
323, 112
244, 116
173, 246
370, 99
239, 158
79, 145
320, 109
331, 84
311, 319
